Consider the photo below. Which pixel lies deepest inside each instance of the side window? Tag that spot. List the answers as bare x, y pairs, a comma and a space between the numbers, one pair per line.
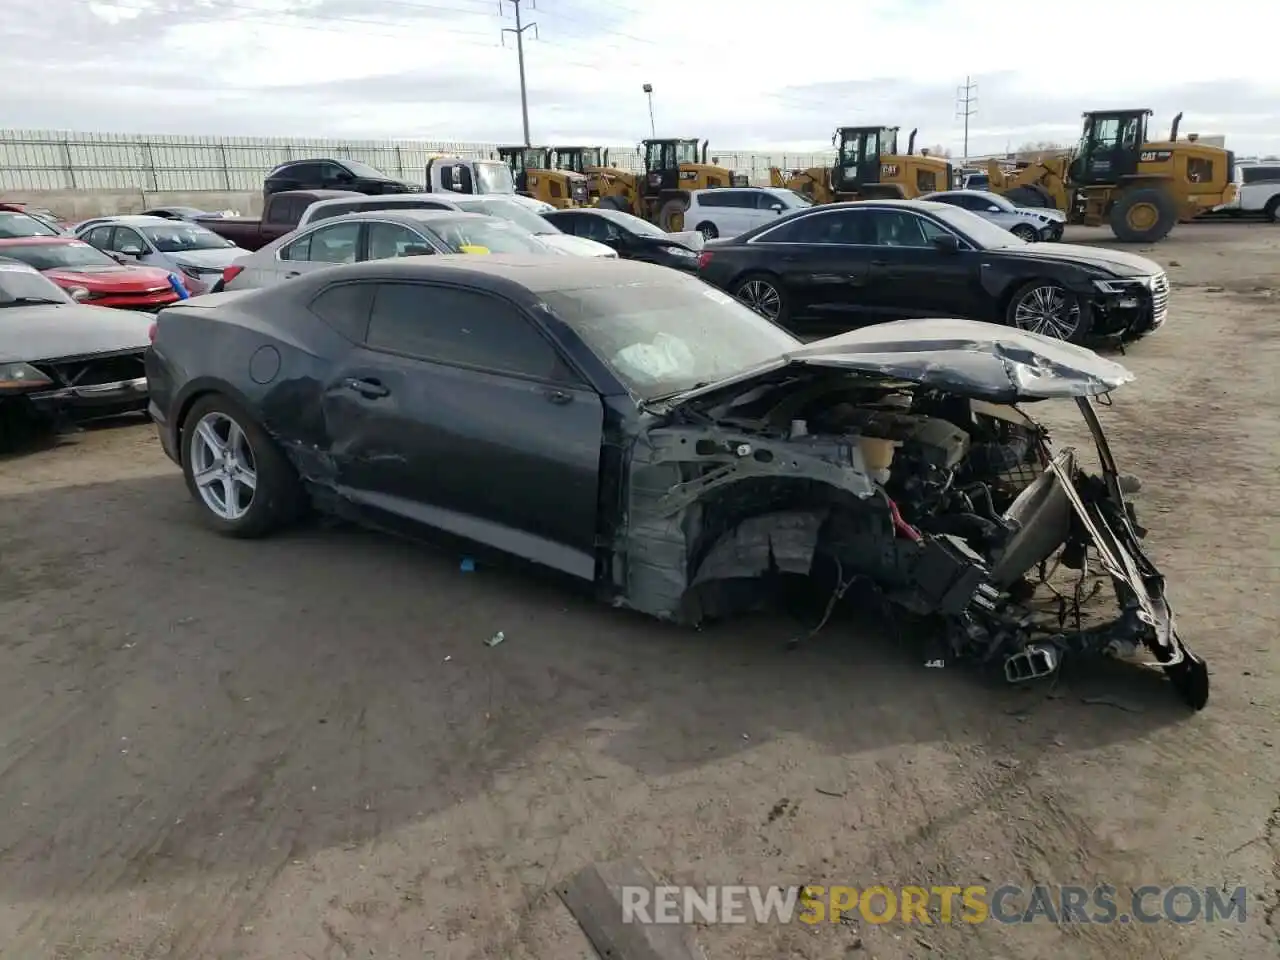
127, 241
300, 249
345, 308
337, 210
836, 227
741, 199
387, 240
331, 174
712, 198
596, 228
766, 201
281, 210
335, 244
976, 204
933, 231
306, 174
896, 228
463, 327
951, 201
99, 237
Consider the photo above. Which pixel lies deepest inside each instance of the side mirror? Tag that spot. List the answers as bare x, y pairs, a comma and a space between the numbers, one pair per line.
993, 209
131, 252
947, 244
416, 250
775, 207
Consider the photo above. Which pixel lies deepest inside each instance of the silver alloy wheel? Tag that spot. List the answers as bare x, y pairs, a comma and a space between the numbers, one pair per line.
762, 297
1026, 232
708, 232
1048, 310
223, 466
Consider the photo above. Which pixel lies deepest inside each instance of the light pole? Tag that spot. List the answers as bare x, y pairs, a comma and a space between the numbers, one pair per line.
648, 90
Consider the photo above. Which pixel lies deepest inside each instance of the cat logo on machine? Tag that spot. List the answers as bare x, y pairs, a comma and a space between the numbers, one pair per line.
688, 174
888, 170
1154, 156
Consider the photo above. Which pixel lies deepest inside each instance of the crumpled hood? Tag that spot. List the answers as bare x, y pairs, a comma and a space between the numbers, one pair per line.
576, 246
693, 239
983, 361
1115, 262
49, 332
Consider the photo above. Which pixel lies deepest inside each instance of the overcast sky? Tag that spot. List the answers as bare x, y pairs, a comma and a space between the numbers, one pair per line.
734, 71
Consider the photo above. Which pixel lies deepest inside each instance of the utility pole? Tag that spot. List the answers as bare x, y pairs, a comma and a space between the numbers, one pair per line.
966, 107
519, 30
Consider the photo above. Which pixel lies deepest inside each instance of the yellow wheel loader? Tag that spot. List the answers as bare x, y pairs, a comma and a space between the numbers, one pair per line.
591, 162
672, 168
869, 167
535, 177
1115, 176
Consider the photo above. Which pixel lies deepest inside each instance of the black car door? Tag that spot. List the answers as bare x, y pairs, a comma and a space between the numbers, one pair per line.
909, 275
458, 413
817, 257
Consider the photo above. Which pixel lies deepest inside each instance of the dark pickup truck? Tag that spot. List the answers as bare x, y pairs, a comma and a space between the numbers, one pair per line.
280, 215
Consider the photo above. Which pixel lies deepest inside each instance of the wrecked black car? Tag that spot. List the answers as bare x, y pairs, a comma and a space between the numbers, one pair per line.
638, 429
63, 363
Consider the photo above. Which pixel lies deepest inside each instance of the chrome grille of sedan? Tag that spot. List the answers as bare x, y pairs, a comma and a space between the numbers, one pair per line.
1159, 296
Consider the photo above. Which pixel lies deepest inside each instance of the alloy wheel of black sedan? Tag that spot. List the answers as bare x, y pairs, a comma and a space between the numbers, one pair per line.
1047, 309
762, 296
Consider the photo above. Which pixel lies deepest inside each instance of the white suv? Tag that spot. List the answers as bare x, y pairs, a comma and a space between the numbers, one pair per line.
729, 211
1257, 190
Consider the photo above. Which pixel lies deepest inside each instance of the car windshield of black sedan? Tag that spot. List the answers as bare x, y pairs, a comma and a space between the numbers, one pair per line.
51, 256
180, 237
14, 224
665, 336
20, 285
984, 233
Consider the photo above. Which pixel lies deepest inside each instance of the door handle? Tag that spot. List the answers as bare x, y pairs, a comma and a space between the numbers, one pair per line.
369, 389
560, 397
879, 263
293, 273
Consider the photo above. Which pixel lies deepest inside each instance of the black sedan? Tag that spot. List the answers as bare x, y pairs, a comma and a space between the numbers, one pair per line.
60, 361
888, 259
627, 425
631, 237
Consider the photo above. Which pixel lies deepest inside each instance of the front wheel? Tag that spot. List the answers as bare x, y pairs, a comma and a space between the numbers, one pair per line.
1024, 231
1145, 215
765, 295
242, 482
708, 230
671, 215
1051, 310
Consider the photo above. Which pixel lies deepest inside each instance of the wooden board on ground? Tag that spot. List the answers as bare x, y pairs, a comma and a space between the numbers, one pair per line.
594, 897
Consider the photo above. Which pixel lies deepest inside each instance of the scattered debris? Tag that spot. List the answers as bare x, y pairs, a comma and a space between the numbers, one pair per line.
778, 809
594, 897
935, 664
496, 639
448, 658
830, 793
468, 565
1116, 702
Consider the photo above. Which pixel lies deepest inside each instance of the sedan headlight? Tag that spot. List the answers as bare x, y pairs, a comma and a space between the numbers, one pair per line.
1127, 285
78, 293
678, 252
21, 376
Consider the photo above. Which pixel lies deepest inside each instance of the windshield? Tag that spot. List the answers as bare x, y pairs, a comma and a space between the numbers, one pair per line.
180, 237
636, 225
494, 235
51, 256
494, 177
19, 283
670, 335
13, 224
364, 170
686, 151
507, 210
984, 233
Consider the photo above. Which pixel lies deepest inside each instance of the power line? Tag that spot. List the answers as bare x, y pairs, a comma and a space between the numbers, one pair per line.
519, 30
966, 107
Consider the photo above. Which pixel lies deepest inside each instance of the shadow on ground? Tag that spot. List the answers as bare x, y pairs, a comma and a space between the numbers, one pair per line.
174, 701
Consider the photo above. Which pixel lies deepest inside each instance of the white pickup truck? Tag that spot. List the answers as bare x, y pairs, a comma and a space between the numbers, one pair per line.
1257, 190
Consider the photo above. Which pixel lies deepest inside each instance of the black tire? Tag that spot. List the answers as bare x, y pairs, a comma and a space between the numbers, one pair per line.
667, 213
277, 498
751, 291
614, 203
1078, 312
1030, 195
1272, 209
708, 230
1025, 231
1145, 215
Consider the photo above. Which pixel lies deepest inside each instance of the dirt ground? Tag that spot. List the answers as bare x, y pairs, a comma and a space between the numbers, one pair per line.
302, 748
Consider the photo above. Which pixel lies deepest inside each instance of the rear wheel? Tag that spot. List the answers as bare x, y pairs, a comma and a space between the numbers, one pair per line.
1143, 216
708, 230
614, 203
1025, 231
1272, 209
671, 214
240, 479
765, 295
1051, 310
1030, 195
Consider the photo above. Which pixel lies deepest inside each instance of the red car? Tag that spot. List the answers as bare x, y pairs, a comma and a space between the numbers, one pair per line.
92, 277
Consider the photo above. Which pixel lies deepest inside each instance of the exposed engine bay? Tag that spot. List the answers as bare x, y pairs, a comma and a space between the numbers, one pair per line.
952, 508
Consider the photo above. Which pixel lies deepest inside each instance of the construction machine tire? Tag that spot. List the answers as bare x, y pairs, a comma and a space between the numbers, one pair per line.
1144, 215
614, 203
671, 214
1030, 195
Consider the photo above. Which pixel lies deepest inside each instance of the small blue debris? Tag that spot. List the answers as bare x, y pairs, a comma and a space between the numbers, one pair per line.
467, 566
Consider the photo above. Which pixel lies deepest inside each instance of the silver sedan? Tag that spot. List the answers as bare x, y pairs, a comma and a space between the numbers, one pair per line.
1029, 223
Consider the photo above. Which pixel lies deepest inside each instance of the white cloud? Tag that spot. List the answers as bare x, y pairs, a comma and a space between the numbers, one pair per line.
435, 69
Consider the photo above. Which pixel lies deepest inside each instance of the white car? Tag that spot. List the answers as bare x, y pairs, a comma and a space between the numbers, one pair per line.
729, 211
1028, 223
379, 235
1257, 190
176, 245
521, 210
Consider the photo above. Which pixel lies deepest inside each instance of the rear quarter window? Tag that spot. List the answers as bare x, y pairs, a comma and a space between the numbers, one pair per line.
345, 308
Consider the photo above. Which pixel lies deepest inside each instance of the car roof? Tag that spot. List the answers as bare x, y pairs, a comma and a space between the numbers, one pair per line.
890, 204
536, 273
406, 217
24, 241
133, 220
393, 199
957, 193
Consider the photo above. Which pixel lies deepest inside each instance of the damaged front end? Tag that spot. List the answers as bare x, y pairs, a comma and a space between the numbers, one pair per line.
917, 472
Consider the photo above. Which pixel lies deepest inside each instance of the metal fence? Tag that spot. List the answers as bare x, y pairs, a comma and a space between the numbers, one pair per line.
55, 160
